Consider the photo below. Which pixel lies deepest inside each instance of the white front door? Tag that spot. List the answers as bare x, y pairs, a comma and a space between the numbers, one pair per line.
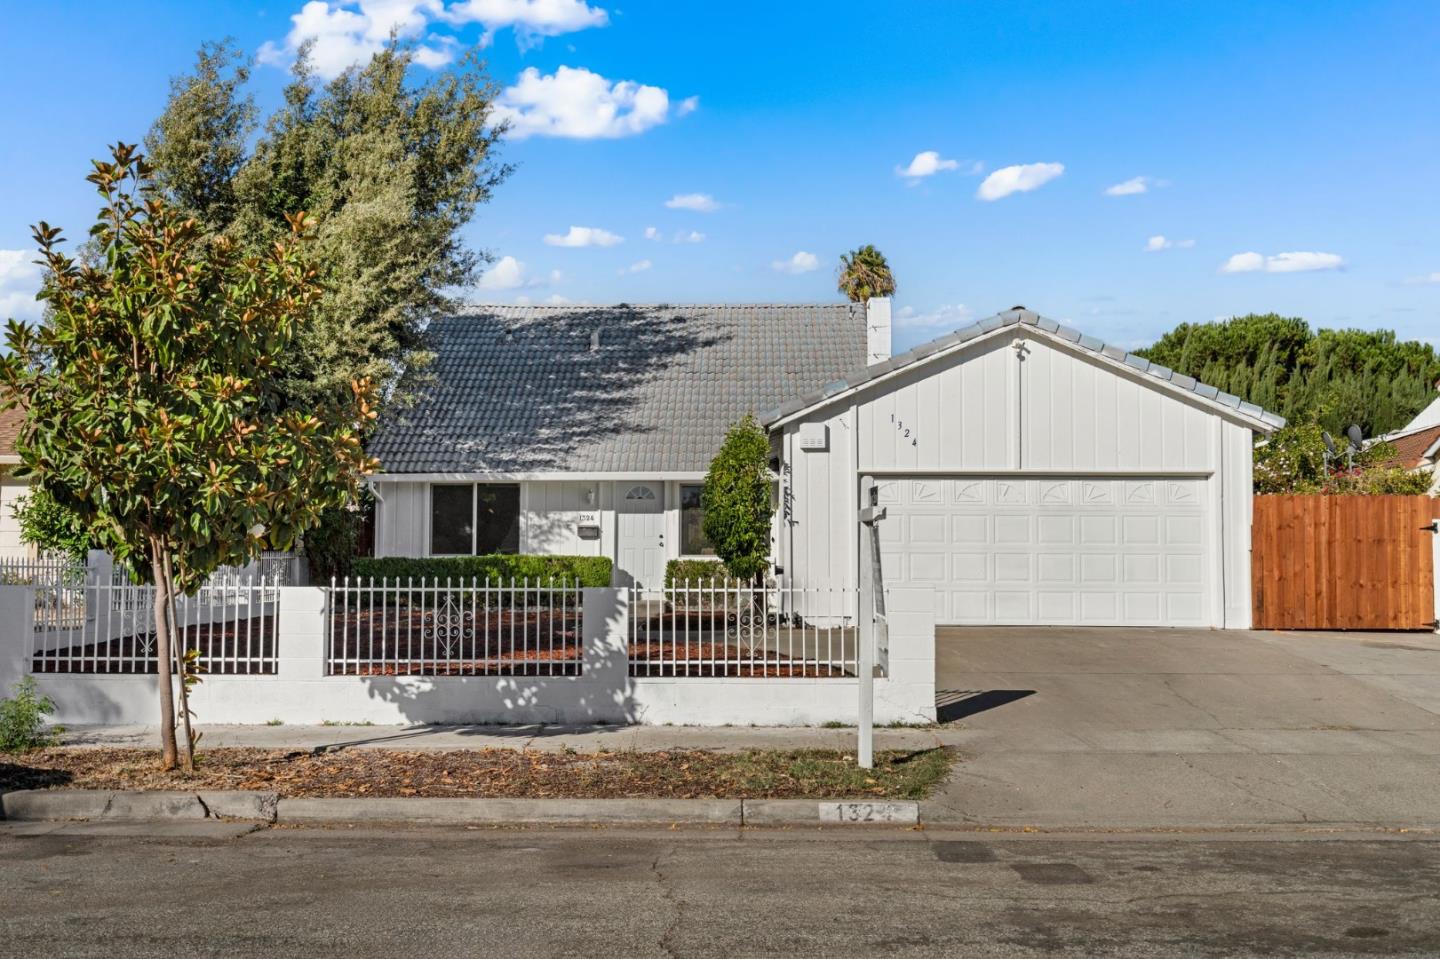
640, 534
1058, 550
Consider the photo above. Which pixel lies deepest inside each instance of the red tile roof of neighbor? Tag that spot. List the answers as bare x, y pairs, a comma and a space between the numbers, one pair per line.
10, 423
1410, 449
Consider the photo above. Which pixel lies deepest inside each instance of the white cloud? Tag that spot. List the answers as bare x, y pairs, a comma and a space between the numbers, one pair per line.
574, 102
1132, 186
532, 20
19, 282
651, 233
926, 163
1160, 242
509, 273
699, 202
1021, 178
584, 236
801, 262
687, 106
1301, 262
639, 266
346, 32
693, 236
950, 316
1425, 279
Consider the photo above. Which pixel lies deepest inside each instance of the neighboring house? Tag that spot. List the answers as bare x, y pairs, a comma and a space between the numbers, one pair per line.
1031, 475
588, 430
1417, 444
11, 489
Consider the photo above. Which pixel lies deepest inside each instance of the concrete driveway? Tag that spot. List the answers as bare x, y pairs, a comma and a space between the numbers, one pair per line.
1212, 729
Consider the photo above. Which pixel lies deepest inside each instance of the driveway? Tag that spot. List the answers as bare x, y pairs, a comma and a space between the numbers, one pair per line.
1214, 729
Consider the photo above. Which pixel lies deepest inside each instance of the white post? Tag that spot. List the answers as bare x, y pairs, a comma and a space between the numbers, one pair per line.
1435, 570
17, 634
605, 632
865, 653
300, 638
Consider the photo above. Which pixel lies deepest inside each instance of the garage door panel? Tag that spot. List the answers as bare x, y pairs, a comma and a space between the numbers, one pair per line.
1062, 550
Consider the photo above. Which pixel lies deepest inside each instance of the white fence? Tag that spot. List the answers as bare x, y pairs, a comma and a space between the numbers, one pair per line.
294, 675
454, 627
723, 628
109, 628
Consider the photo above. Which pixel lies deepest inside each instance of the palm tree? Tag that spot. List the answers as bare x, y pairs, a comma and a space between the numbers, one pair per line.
864, 273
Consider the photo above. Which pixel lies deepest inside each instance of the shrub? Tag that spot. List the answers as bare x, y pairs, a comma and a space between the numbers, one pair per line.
737, 501
22, 719
582, 570
697, 572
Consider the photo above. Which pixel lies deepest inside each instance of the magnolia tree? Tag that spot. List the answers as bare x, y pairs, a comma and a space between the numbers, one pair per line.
152, 405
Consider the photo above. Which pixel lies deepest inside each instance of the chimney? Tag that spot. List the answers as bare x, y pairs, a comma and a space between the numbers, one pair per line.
877, 330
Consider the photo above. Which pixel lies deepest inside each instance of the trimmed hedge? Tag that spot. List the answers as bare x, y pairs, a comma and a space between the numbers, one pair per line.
698, 571
582, 570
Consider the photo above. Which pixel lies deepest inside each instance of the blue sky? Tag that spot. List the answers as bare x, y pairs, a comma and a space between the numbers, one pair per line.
1286, 153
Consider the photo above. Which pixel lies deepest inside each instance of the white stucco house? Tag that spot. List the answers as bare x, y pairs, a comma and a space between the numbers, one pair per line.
1031, 474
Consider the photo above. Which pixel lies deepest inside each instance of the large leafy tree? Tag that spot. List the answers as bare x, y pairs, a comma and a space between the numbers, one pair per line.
1332, 378
736, 500
390, 171
154, 412
865, 273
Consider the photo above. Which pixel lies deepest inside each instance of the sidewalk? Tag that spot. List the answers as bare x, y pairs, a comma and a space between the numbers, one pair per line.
551, 738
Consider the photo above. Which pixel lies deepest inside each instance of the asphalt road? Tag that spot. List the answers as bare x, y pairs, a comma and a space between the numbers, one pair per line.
432, 893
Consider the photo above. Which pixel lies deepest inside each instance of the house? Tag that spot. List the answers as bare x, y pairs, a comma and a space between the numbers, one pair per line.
1031, 475
11, 489
1417, 444
588, 430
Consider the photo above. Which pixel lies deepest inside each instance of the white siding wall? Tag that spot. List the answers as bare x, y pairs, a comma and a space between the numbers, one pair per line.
551, 512
986, 410
11, 492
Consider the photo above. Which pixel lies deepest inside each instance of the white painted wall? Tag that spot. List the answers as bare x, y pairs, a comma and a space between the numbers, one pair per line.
11, 492
301, 693
990, 409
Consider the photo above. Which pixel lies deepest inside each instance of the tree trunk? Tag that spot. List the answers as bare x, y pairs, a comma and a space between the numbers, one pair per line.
164, 656
187, 742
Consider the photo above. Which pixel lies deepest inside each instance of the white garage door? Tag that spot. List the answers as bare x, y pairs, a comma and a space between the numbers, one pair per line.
1057, 551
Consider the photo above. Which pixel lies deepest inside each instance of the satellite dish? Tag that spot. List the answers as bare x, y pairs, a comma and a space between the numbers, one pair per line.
1355, 436
1329, 443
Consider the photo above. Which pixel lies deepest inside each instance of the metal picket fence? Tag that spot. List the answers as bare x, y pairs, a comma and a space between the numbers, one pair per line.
725, 629
454, 627
110, 628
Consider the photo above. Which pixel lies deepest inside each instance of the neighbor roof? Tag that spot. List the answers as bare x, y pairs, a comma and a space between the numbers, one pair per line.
11, 420
1021, 317
1413, 450
519, 389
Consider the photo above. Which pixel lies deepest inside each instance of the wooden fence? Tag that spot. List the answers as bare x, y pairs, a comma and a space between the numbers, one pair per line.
1344, 562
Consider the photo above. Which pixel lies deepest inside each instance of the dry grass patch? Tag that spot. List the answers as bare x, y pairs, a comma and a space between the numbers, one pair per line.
493, 773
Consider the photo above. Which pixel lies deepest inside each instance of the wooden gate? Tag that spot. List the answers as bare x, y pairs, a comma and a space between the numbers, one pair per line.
1344, 562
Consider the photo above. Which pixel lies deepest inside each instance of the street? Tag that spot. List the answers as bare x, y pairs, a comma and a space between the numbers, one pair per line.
75, 891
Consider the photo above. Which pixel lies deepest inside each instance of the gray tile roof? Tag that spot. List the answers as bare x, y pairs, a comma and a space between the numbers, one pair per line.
517, 389
1017, 317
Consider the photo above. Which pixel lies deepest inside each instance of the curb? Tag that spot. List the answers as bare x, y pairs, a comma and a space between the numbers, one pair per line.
98, 805
103, 806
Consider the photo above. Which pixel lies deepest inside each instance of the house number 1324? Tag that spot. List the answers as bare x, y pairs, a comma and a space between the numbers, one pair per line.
904, 431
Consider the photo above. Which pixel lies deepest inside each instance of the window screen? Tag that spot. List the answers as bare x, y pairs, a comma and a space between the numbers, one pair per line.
451, 521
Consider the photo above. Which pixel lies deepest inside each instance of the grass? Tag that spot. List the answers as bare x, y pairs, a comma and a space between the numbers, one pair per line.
495, 773
336, 722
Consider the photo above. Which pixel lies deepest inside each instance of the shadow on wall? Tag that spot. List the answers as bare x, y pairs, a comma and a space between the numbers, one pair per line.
602, 694
509, 393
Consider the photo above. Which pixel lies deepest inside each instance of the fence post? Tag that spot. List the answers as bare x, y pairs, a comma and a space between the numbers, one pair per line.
605, 633
99, 570
300, 634
910, 689
1435, 570
17, 631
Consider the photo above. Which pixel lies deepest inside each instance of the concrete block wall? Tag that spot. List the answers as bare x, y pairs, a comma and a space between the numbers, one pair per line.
300, 692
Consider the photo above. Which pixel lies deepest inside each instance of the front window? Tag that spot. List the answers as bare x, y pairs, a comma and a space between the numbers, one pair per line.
692, 524
474, 518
